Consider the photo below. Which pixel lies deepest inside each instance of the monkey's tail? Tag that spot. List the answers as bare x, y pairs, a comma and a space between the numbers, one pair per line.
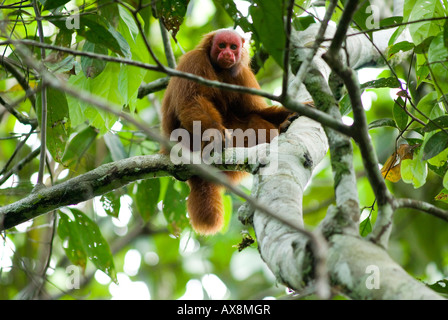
205, 204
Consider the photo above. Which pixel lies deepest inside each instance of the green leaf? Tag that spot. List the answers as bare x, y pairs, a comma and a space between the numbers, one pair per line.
58, 122
442, 196
232, 10
439, 162
414, 170
391, 21
82, 240
100, 32
228, 209
386, 122
437, 57
365, 17
440, 286
267, 18
302, 23
52, 4
445, 180
111, 203
129, 80
115, 146
400, 46
365, 227
439, 169
400, 116
423, 9
78, 145
93, 67
105, 85
390, 82
64, 66
71, 241
428, 106
147, 197
96, 29
172, 13
345, 105
438, 123
423, 47
174, 205
435, 144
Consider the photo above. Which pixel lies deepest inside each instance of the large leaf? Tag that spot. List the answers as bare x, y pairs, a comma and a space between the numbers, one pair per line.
414, 171
439, 123
390, 82
435, 144
172, 13
82, 240
52, 4
105, 85
437, 57
97, 30
367, 16
416, 10
232, 10
386, 122
78, 145
58, 121
428, 107
111, 203
93, 67
174, 205
267, 18
400, 46
400, 116
147, 197
419, 10
115, 147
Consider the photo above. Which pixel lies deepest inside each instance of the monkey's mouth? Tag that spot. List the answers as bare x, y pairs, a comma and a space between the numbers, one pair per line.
226, 63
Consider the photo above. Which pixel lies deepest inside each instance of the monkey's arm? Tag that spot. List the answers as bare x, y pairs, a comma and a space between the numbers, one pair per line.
202, 110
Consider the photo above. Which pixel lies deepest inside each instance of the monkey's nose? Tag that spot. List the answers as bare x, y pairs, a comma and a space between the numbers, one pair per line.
227, 55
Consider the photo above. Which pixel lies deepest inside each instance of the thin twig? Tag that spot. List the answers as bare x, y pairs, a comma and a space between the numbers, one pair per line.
170, 59
291, 104
289, 13
421, 206
43, 121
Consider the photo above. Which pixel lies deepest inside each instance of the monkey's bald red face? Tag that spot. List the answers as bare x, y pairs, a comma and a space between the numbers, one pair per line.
226, 49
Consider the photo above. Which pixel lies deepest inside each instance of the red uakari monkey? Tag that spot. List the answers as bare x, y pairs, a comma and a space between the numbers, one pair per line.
220, 56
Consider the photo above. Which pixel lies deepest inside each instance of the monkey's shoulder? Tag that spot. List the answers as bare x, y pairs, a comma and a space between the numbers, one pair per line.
198, 63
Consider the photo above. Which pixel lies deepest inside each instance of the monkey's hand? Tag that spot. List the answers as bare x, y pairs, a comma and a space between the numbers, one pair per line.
285, 124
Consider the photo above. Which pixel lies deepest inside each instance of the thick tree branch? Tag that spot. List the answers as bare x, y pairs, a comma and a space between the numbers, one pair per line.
84, 187
349, 256
347, 214
360, 129
156, 85
284, 250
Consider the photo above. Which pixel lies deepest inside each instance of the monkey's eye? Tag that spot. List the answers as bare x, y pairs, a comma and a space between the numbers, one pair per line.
222, 45
233, 47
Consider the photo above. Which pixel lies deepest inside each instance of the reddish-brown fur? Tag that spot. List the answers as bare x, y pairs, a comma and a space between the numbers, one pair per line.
186, 101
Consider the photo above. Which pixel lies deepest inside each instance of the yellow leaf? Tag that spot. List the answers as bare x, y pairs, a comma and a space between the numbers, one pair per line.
392, 167
18, 87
